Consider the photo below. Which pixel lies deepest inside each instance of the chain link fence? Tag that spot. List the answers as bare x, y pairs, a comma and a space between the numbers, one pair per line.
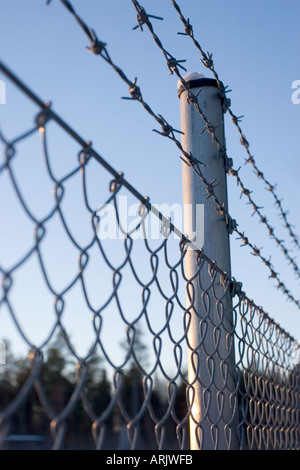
106, 311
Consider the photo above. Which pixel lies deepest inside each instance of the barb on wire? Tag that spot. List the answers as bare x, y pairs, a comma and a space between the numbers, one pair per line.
173, 64
208, 63
136, 95
267, 262
265, 366
269, 186
222, 150
99, 48
96, 47
142, 18
264, 220
166, 128
210, 128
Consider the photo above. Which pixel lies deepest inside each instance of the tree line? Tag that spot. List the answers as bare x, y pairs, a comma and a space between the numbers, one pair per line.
261, 394
58, 380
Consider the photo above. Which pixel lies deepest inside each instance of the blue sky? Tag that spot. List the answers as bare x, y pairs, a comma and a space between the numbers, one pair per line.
254, 45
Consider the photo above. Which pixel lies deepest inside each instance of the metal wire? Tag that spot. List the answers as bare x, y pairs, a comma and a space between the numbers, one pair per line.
167, 130
209, 127
143, 286
208, 62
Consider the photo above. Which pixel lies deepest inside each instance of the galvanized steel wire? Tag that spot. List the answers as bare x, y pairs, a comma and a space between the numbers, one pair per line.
263, 389
253, 405
99, 48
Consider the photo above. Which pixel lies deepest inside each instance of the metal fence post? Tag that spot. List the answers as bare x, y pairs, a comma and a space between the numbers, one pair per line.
212, 383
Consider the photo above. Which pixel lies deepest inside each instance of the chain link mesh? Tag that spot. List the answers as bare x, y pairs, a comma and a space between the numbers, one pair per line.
156, 359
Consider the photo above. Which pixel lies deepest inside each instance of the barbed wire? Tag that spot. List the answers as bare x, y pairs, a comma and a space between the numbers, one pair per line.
48, 114
208, 62
99, 48
222, 150
264, 220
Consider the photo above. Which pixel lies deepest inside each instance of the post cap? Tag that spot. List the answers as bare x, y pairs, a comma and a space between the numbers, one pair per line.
195, 80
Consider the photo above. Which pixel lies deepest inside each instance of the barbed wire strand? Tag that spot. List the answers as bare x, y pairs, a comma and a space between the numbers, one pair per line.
48, 114
208, 62
99, 48
143, 18
260, 340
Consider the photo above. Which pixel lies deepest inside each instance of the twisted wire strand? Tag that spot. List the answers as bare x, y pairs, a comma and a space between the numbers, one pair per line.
260, 333
99, 48
222, 150
208, 62
264, 385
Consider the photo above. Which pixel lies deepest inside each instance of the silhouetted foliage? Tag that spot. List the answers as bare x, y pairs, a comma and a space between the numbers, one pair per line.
58, 380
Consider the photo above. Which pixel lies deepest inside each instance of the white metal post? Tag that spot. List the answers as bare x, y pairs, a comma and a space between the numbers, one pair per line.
210, 342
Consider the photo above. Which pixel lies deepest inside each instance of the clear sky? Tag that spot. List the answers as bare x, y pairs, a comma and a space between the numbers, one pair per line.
255, 51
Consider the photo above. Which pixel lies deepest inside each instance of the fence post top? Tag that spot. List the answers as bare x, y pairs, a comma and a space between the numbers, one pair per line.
188, 78
194, 80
